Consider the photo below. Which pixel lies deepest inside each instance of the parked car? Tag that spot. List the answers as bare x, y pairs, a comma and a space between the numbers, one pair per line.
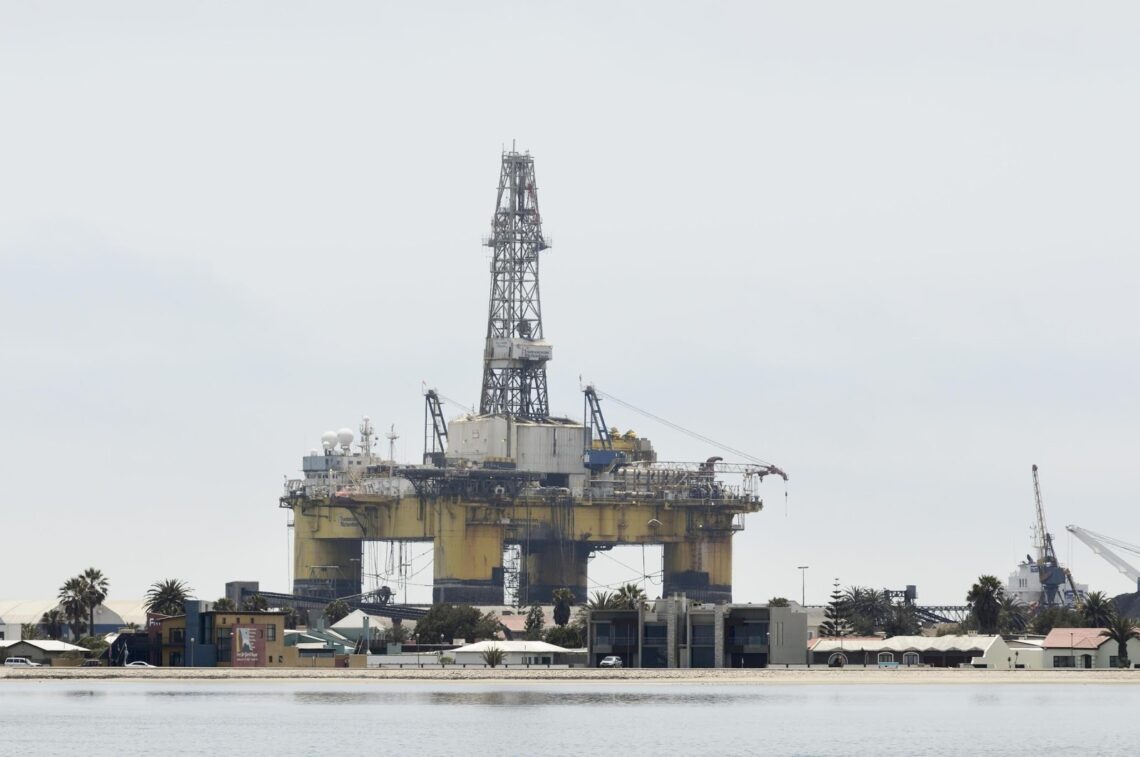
140, 664
20, 662
91, 664
613, 661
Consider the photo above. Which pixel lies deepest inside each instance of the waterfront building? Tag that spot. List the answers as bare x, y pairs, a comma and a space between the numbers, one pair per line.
1084, 648
516, 653
680, 633
970, 650
204, 637
43, 651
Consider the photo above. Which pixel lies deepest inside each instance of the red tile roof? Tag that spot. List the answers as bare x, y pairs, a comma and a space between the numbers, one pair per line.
1074, 638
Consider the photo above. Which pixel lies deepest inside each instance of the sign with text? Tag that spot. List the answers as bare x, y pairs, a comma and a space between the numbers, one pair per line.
249, 646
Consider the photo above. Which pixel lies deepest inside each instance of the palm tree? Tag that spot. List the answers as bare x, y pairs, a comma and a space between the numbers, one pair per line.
901, 621
168, 597
1097, 610
868, 609
255, 603
984, 599
563, 598
1120, 629
53, 622
1012, 615
224, 604
29, 631
74, 608
95, 587
601, 600
630, 597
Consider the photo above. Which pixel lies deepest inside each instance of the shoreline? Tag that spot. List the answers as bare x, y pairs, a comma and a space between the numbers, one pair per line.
768, 676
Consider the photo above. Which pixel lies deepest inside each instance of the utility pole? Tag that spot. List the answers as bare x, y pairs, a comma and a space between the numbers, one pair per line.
803, 584
515, 356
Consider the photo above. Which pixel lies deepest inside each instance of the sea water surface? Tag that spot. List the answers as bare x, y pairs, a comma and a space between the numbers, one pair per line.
350, 718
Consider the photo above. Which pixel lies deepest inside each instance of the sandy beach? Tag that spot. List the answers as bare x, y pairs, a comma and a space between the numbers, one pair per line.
802, 676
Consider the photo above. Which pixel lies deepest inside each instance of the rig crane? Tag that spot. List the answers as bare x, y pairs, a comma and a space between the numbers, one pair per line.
435, 430
1099, 543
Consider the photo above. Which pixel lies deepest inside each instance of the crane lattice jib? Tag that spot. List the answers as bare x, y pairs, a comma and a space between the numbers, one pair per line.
515, 356
1099, 543
1045, 553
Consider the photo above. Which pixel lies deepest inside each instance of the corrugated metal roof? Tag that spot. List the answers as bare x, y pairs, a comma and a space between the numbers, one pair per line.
955, 643
46, 645
111, 612
511, 646
25, 610
355, 621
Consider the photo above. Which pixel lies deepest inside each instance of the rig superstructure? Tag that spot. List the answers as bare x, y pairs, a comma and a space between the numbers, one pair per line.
511, 498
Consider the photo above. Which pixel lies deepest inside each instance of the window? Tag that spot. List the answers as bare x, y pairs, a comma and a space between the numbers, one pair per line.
704, 635
271, 632
603, 633
911, 658
177, 635
750, 634
1064, 661
886, 657
656, 634
225, 644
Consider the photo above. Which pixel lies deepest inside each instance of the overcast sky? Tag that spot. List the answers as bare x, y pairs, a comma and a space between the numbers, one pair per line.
890, 247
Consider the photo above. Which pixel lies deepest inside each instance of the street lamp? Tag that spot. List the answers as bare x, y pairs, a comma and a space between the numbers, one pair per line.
803, 583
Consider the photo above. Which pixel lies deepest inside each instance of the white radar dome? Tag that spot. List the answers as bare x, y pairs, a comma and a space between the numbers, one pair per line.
344, 436
328, 439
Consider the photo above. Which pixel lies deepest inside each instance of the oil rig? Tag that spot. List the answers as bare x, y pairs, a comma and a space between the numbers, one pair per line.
513, 500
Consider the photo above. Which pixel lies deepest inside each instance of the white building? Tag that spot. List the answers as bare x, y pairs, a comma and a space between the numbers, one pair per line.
1084, 648
976, 651
42, 651
112, 615
514, 653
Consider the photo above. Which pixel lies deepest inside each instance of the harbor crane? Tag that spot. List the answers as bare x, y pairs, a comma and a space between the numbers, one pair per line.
1049, 569
1100, 544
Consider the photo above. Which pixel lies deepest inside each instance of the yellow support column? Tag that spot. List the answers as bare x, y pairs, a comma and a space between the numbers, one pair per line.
468, 564
554, 565
324, 567
700, 568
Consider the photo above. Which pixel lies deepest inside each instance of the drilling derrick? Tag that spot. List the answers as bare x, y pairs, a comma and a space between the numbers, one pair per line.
515, 355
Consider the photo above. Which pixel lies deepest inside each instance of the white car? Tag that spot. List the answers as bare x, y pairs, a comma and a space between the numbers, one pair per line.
139, 664
20, 662
613, 661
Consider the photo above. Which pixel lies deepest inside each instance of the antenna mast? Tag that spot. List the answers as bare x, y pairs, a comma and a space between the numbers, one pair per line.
515, 356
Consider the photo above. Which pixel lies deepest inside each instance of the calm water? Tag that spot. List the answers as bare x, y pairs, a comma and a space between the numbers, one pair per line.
104, 718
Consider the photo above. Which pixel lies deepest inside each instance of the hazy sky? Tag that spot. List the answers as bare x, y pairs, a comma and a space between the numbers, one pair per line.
888, 246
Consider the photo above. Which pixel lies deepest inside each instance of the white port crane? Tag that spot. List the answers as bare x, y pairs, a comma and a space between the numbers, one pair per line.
1100, 544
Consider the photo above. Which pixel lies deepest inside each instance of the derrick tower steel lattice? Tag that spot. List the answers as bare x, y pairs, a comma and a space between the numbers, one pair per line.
515, 356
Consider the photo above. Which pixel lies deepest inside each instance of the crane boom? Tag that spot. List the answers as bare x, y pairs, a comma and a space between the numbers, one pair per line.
1045, 553
1098, 543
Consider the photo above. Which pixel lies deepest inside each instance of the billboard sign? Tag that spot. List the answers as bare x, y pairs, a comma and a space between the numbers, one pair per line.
249, 646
